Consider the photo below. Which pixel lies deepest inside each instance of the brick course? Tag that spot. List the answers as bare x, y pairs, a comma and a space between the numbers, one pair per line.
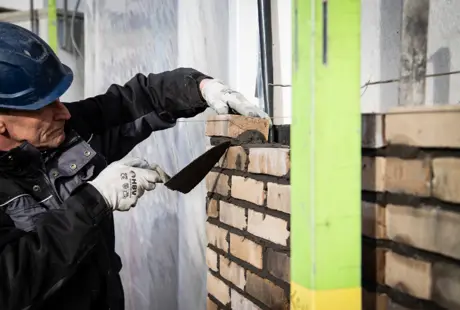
248, 208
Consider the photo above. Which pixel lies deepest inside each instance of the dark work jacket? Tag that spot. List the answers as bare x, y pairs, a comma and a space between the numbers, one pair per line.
56, 232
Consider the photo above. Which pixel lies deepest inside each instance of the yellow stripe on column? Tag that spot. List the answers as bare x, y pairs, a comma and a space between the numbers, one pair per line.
342, 299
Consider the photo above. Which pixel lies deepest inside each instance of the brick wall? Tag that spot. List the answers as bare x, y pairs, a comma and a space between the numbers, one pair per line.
248, 210
411, 209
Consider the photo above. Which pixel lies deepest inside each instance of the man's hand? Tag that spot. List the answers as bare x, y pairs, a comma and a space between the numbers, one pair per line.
123, 182
220, 98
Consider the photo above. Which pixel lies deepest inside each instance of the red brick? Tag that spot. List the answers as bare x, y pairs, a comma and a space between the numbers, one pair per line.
279, 197
264, 290
232, 215
272, 161
218, 289
248, 189
270, 228
234, 125
246, 250
232, 272
217, 183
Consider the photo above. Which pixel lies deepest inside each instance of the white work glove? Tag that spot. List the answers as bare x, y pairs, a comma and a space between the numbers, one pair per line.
220, 98
123, 182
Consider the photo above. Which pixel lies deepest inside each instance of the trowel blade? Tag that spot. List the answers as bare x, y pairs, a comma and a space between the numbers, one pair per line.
190, 176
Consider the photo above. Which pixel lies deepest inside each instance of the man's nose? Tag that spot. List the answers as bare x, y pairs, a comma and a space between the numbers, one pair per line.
61, 111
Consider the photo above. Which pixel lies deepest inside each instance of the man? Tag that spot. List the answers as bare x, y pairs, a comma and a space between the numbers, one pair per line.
62, 172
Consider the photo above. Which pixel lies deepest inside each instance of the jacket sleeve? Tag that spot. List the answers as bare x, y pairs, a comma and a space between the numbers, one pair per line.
126, 115
34, 264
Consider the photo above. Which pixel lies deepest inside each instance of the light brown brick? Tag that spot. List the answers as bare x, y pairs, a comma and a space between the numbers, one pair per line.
408, 275
234, 158
279, 265
424, 126
217, 183
211, 259
246, 250
373, 220
264, 290
272, 161
279, 197
217, 236
232, 215
240, 302
373, 173
210, 305
408, 176
218, 289
234, 125
374, 301
426, 228
446, 285
212, 209
248, 189
232, 272
269, 228
446, 179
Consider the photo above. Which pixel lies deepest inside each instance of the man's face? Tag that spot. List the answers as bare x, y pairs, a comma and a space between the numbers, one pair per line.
43, 128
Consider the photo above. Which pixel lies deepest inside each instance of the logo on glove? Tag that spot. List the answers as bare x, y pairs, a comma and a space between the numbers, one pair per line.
130, 189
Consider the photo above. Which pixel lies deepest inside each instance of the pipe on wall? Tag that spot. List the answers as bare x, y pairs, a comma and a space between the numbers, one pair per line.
266, 54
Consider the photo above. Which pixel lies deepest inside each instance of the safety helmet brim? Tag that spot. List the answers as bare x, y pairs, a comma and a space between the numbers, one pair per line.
57, 92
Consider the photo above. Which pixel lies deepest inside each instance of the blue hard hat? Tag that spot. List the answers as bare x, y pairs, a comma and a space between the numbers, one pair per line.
31, 75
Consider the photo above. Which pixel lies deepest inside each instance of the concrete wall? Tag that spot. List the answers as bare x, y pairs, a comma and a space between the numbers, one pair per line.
381, 25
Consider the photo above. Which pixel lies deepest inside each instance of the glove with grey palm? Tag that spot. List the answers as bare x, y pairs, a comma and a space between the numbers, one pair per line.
123, 182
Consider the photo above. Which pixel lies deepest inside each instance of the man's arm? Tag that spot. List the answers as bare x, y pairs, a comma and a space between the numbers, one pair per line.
35, 263
126, 115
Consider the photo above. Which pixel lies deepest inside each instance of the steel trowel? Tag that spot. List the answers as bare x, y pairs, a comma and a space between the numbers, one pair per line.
192, 174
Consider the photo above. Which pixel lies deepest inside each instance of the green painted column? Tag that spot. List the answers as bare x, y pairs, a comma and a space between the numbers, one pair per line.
326, 156
52, 25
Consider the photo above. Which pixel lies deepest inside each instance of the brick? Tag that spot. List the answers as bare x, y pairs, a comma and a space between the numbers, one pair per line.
373, 264
232, 272
217, 183
408, 176
246, 250
372, 133
234, 125
239, 302
373, 220
424, 126
269, 228
234, 158
373, 173
446, 285
408, 275
446, 179
375, 301
211, 259
210, 305
279, 197
232, 215
248, 189
272, 161
264, 290
416, 227
217, 236
279, 265
218, 289
212, 208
